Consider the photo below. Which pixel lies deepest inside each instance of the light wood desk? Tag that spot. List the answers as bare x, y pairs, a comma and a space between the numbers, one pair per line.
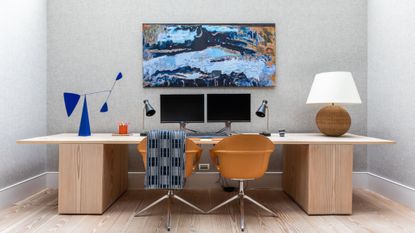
317, 169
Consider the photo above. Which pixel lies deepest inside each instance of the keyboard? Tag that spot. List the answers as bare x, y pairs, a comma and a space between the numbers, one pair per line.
207, 135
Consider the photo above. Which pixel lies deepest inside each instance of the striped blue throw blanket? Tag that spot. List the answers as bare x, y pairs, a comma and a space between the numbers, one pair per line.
165, 159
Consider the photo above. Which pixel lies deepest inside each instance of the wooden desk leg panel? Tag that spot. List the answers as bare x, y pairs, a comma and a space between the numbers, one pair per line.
319, 177
91, 177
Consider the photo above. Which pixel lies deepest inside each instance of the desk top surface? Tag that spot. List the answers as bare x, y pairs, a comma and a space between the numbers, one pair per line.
290, 138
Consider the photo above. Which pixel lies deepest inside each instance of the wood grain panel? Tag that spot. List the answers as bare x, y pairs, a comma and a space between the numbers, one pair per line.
319, 177
116, 172
343, 185
123, 167
80, 178
295, 167
91, 177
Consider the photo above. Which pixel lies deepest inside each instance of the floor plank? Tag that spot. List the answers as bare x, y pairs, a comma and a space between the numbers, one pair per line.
371, 213
23, 211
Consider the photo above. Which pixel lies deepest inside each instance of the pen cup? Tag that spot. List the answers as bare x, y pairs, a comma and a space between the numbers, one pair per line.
122, 129
281, 132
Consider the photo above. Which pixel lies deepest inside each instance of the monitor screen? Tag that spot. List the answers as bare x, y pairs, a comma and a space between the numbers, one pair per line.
229, 107
182, 108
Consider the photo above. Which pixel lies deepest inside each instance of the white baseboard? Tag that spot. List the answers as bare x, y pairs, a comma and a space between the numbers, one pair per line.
52, 180
202, 180
391, 189
360, 180
23, 189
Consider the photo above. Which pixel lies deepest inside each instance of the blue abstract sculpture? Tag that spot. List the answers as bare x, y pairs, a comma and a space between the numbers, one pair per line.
72, 99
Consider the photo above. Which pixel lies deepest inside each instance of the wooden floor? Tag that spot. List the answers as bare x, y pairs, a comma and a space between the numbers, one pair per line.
371, 213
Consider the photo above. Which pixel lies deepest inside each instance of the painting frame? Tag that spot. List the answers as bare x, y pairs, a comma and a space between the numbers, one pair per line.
209, 55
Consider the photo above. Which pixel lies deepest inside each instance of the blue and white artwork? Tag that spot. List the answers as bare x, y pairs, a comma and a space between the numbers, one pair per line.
209, 55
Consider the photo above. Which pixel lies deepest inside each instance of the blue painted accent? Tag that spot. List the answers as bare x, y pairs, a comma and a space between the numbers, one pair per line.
104, 107
71, 100
219, 60
177, 35
119, 76
220, 28
84, 127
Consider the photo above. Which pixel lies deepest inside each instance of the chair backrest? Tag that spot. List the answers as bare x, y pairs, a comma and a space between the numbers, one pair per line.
243, 156
165, 159
193, 153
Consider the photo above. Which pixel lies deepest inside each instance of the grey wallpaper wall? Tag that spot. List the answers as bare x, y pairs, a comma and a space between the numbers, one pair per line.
391, 110
90, 41
22, 89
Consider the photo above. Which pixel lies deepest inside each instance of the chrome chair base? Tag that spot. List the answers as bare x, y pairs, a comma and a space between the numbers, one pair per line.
170, 194
242, 196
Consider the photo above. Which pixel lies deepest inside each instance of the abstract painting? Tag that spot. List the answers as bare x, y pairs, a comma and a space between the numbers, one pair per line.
209, 55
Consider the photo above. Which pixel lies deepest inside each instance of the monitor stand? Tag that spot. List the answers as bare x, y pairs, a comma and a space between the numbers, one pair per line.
228, 129
185, 129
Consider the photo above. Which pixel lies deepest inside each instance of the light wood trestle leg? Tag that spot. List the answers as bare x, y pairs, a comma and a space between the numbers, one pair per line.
319, 177
91, 177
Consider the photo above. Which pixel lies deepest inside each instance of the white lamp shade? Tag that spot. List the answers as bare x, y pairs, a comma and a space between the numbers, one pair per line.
334, 87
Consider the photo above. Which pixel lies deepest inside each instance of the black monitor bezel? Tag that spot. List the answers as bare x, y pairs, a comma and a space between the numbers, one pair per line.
204, 112
207, 107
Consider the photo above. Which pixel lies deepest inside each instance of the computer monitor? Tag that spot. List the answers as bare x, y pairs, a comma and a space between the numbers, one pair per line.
182, 108
229, 107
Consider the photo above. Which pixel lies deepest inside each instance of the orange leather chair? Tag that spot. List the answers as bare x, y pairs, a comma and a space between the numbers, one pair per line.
193, 153
242, 158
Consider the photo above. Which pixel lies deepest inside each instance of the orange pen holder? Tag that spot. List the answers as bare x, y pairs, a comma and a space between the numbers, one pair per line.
123, 129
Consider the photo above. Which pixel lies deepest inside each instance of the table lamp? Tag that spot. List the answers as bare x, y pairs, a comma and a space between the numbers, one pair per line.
333, 88
262, 112
149, 111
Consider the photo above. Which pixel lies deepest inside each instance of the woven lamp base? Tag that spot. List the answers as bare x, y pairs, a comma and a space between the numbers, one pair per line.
333, 120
